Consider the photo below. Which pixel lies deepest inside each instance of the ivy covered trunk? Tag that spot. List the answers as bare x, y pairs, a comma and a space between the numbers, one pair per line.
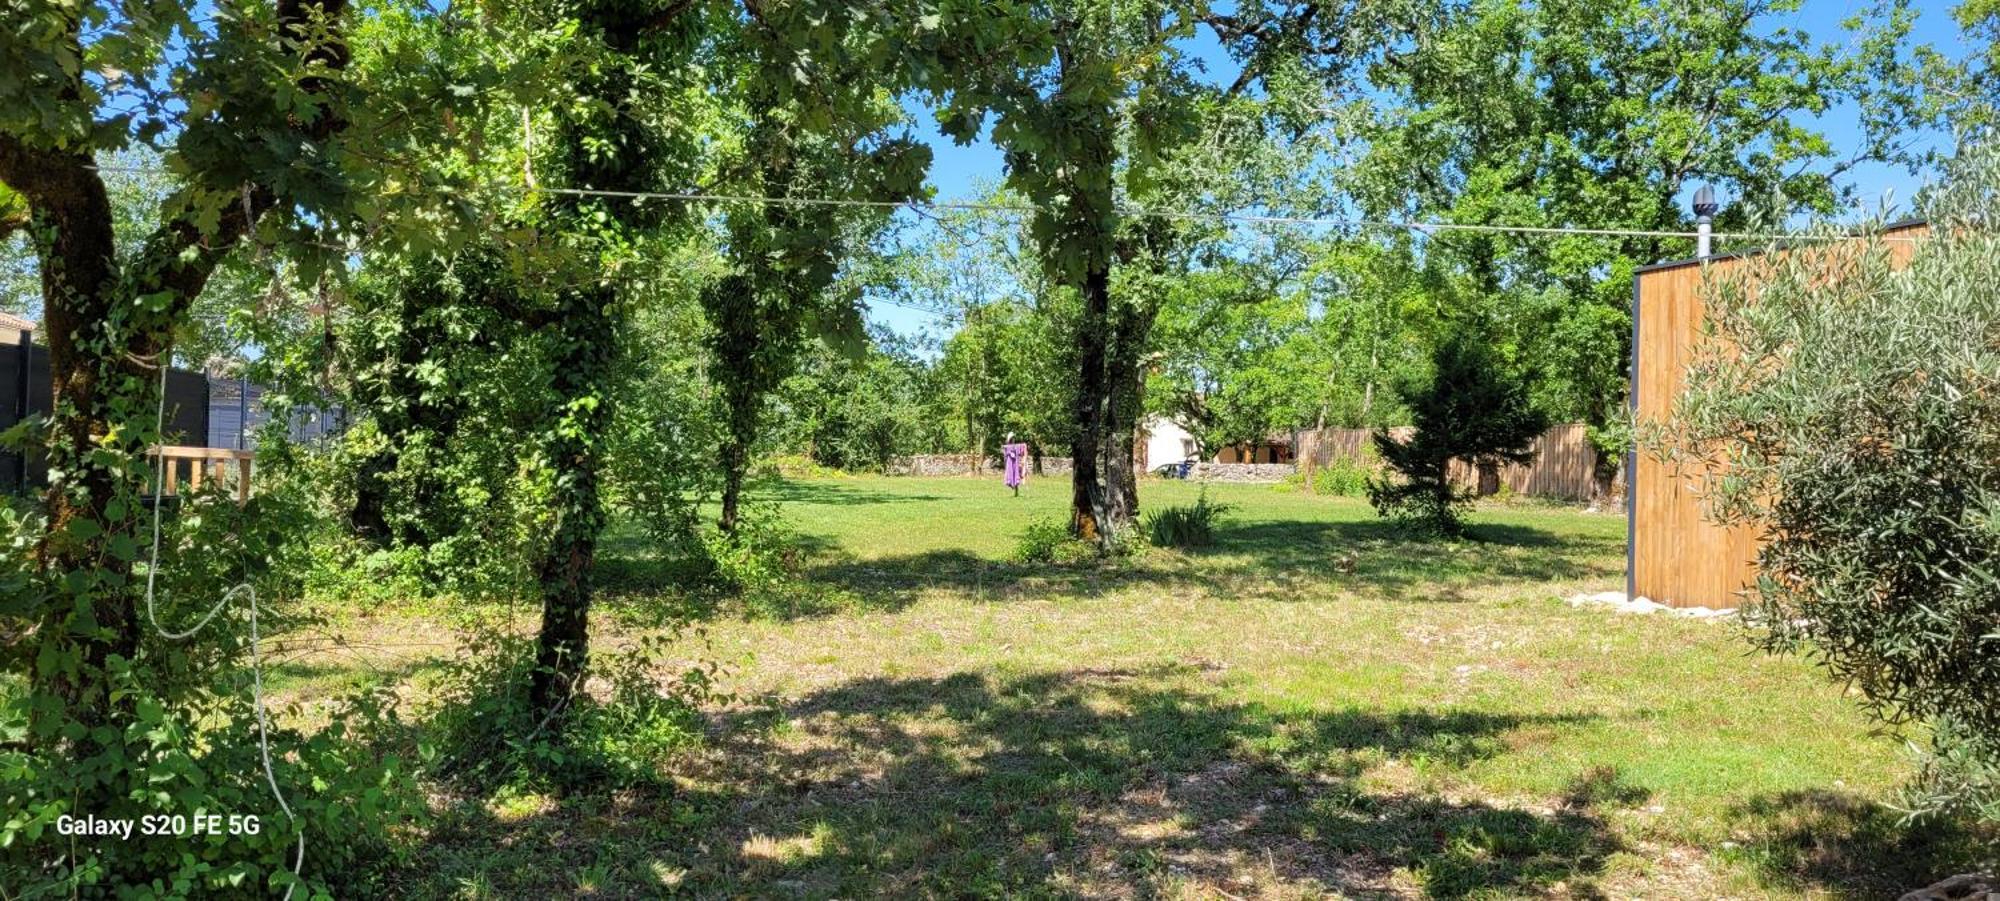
784, 259
108, 330
735, 343
95, 467
604, 143
108, 326
411, 417
587, 332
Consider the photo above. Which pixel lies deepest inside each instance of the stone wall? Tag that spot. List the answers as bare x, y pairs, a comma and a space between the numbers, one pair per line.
1241, 472
968, 465
940, 465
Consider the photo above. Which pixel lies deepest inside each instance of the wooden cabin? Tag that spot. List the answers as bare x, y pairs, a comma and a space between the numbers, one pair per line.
1674, 555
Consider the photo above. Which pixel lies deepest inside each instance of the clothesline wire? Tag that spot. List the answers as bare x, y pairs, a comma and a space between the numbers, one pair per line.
1135, 211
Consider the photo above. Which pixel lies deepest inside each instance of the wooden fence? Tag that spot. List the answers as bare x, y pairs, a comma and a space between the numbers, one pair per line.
1675, 555
201, 410
1564, 468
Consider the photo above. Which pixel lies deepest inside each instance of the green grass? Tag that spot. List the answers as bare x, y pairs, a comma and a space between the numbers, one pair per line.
1311, 706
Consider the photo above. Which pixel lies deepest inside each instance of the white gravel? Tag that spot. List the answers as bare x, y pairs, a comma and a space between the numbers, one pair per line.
1619, 603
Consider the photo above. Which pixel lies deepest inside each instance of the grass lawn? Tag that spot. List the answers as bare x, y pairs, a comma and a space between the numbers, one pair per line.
1313, 707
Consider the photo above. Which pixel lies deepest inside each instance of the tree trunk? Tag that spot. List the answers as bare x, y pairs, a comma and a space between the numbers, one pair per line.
1090, 505
94, 380
572, 435
1133, 325
368, 517
735, 465
738, 346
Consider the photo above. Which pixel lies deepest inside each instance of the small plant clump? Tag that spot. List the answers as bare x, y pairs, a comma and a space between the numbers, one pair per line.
1343, 477
1050, 541
1191, 525
635, 711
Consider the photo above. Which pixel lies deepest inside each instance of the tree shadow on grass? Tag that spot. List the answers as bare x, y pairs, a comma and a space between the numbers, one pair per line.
1380, 559
831, 491
1843, 846
1278, 559
1124, 783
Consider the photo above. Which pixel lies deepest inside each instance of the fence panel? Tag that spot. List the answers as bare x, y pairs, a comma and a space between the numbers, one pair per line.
25, 391
1564, 468
201, 412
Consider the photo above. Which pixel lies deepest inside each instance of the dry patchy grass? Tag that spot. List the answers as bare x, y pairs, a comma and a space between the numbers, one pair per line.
1313, 707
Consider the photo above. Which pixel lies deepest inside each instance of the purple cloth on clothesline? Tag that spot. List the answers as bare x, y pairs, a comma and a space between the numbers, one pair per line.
1015, 455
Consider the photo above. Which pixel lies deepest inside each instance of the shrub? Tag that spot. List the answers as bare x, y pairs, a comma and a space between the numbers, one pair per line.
1343, 478
189, 740
1185, 526
638, 711
1853, 409
1340, 478
763, 568
1474, 408
1049, 541
795, 466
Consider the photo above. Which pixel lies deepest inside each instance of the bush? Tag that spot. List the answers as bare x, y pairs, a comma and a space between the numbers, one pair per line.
794, 466
1185, 526
1474, 408
1340, 478
637, 712
1853, 407
763, 568
1049, 541
1345, 478
190, 741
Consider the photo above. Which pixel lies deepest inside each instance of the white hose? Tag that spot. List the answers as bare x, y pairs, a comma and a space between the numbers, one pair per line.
256, 666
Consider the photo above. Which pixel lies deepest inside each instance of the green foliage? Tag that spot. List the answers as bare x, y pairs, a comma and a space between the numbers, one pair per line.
667, 427
201, 756
440, 380
1606, 113
1192, 525
638, 712
617, 128
192, 742
1343, 477
1229, 374
855, 413
1474, 408
1050, 541
762, 556
1006, 366
794, 466
760, 569
790, 274
1852, 410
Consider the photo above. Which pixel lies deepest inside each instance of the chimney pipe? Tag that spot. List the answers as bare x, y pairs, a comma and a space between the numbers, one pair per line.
1704, 216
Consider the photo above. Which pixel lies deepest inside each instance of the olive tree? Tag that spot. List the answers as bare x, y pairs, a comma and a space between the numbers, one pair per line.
1848, 407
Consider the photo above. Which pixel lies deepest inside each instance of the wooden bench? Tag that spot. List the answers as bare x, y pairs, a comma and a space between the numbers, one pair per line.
203, 465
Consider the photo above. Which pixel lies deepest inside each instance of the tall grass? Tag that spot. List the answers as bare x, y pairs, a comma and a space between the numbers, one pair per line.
1191, 525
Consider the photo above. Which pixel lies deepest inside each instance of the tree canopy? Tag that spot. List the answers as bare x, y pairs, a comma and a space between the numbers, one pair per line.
564, 263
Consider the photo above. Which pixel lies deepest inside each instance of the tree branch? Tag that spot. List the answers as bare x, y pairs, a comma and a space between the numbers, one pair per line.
179, 256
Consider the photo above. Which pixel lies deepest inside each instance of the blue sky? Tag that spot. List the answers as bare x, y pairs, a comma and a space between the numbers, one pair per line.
957, 172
